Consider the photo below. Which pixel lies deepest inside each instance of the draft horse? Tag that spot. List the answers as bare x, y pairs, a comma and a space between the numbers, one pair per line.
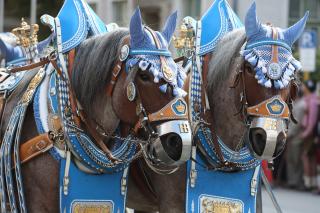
240, 112
120, 96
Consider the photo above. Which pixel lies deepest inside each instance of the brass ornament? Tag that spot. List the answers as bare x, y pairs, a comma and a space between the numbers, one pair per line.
90, 207
185, 41
26, 34
219, 205
27, 96
131, 91
167, 73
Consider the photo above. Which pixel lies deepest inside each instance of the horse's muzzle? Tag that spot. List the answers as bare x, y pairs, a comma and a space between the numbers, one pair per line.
267, 137
172, 147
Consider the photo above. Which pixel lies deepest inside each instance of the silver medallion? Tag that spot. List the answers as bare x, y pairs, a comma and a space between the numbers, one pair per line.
124, 53
131, 91
274, 71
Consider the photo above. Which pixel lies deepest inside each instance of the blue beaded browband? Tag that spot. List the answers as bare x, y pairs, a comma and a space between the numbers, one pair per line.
268, 42
159, 52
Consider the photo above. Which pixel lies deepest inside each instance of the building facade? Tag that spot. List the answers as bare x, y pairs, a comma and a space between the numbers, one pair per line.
279, 13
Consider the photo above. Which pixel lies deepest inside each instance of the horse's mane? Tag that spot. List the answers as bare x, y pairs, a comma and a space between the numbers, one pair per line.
93, 64
224, 57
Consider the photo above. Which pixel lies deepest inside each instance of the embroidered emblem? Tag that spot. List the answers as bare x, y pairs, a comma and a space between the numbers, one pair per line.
92, 206
274, 71
131, 91
179, 107
220, 205
124, 53
275, 107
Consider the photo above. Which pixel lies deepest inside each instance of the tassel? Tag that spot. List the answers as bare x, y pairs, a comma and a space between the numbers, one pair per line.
182, 74
264, 70
156, 79
289, 72
278, 84
180, 82
253, 61
296, 64
286, 76
163, 88
285, 82
291, 67
250, 55
262, 81
181, 92
268, 84
245, 52
143, 65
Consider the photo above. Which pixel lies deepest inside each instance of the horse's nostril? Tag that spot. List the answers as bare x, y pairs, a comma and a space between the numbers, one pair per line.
281, 142
172, 143
258, 140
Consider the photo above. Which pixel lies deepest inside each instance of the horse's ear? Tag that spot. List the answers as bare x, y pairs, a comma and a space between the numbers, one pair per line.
136, 28
170, 27
294, 32
252, 24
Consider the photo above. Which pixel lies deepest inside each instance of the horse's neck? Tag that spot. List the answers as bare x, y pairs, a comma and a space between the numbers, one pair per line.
227, 125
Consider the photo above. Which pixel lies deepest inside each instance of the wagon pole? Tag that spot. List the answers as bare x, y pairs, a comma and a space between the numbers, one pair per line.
1, 15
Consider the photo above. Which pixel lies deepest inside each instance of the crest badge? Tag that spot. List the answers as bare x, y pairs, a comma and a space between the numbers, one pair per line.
275, 107
219, 204
131, 91
92, 206
179, 107
124, 52
167, 73
274, 71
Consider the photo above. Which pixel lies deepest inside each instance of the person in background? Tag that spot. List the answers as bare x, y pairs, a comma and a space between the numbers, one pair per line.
308, 134
294, 148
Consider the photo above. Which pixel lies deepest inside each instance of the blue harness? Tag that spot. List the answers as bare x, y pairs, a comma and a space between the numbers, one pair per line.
217, 190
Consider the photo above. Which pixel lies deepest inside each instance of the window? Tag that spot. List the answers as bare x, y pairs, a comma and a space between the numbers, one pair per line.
294, 9
192, 8
93, 6
119, 10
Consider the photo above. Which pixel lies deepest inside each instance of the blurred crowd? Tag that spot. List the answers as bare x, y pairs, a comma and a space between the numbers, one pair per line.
299, 166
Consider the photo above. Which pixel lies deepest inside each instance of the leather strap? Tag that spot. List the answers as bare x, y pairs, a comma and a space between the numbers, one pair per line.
118, 67
35, 146
3, 101
115, 74
94, 133
73, 101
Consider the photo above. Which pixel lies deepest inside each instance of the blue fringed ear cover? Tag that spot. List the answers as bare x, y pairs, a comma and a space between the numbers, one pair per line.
260, 56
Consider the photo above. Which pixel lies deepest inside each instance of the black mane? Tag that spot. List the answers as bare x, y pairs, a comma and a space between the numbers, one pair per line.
93, 64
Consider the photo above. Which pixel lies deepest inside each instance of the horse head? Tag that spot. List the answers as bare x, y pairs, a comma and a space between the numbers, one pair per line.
145, 94
268, 83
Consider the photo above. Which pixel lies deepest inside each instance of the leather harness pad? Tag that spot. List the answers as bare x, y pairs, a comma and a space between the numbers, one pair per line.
175, 110
35, 147
274, 107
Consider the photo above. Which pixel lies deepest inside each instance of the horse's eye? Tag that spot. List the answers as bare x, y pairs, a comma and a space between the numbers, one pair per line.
144, 77
248, 68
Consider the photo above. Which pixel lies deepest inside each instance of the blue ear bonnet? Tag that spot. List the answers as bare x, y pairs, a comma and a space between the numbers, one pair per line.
268, 50
151, 56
